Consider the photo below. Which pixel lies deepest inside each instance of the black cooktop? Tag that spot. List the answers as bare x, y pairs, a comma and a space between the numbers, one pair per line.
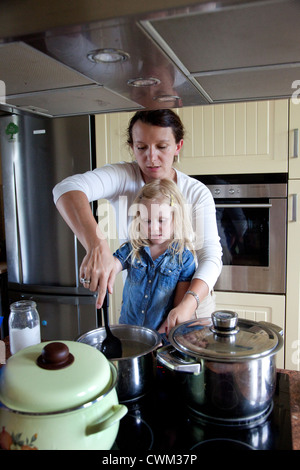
161, 423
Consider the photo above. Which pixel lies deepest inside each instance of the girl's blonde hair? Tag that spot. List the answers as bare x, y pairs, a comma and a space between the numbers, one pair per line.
163, 191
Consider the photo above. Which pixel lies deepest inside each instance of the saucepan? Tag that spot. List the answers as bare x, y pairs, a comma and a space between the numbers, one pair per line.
136, 369
59, 395
227, 368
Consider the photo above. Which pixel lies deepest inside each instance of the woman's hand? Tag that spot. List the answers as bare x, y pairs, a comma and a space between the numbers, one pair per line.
98, 267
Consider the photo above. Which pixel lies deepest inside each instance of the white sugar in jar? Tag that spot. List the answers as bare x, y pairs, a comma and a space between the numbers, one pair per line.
23, 325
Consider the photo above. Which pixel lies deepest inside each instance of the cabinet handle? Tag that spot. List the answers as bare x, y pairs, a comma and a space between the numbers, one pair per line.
294, 207
296, 143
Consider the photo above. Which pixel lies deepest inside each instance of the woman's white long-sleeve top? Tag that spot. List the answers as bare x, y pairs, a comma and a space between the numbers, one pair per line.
120, 182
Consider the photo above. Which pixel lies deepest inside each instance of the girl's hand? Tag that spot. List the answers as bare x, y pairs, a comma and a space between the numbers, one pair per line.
184, 310
176, 316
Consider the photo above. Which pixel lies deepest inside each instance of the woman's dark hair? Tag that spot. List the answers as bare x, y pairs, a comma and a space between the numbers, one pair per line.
160, 118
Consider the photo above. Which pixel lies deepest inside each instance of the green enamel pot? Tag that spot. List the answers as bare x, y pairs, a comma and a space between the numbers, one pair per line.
59, 395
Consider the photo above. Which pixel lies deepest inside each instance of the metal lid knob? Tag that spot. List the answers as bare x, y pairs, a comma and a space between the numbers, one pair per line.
225, 322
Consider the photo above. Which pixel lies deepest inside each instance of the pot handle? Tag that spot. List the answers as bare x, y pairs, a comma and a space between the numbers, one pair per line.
270, 325
168, 356
115, 413
278, 331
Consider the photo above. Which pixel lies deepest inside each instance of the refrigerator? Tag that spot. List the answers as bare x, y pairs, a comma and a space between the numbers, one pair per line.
43, 255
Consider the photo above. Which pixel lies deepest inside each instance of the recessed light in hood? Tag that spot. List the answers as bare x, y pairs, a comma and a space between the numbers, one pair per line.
149, 81
107, 56
166, 98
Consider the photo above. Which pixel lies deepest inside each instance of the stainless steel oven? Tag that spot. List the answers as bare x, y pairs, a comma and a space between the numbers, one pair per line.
251, 215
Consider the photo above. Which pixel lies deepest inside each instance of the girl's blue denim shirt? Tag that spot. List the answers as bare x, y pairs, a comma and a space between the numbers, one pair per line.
150, 284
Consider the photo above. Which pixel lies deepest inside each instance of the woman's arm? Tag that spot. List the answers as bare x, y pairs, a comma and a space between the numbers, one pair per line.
206, 238
75, 209
98, 264
207, 245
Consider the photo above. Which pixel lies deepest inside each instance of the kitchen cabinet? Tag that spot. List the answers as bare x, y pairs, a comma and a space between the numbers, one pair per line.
256, 307
249, 137
294, 129
111, 138
293, 237
235, 138
293, 278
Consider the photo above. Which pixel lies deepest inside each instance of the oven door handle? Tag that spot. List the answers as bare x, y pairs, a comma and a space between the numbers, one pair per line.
243, 206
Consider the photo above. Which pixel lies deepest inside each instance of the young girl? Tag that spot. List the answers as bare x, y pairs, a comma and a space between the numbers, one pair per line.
159, 257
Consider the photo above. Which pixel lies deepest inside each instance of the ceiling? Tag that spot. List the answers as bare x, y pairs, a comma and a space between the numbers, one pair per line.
193, 54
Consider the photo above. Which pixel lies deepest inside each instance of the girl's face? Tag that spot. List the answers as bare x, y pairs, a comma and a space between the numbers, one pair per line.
156, 221
154, 149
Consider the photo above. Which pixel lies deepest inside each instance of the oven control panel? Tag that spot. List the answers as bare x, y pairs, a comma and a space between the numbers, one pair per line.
226, 191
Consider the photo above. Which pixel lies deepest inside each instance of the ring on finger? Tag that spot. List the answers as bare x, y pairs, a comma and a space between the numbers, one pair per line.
85, 281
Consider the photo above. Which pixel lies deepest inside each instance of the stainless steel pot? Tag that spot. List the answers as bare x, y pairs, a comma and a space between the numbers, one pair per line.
136, 369
227, 368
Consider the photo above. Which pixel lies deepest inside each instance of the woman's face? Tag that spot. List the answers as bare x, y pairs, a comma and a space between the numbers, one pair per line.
154, 149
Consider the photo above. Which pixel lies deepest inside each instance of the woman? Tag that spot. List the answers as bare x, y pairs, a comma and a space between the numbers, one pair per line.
156, 138
159, 258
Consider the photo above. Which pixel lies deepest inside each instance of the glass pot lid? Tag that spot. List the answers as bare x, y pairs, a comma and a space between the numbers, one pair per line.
54, 376
224, 338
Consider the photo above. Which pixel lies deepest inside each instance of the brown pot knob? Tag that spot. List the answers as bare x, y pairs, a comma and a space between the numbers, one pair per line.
55, 356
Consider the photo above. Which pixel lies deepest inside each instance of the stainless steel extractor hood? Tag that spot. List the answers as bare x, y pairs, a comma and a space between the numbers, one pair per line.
185, 54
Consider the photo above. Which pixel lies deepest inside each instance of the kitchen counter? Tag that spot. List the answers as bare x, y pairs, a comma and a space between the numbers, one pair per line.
294, 381
294, 378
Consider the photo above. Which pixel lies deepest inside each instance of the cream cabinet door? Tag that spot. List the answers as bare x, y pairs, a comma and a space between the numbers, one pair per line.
256, 307
294, 152
111, 138
235, 138
293, 278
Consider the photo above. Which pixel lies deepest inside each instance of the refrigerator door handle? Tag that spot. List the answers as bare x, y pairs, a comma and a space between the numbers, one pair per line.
18, 238
76, 261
